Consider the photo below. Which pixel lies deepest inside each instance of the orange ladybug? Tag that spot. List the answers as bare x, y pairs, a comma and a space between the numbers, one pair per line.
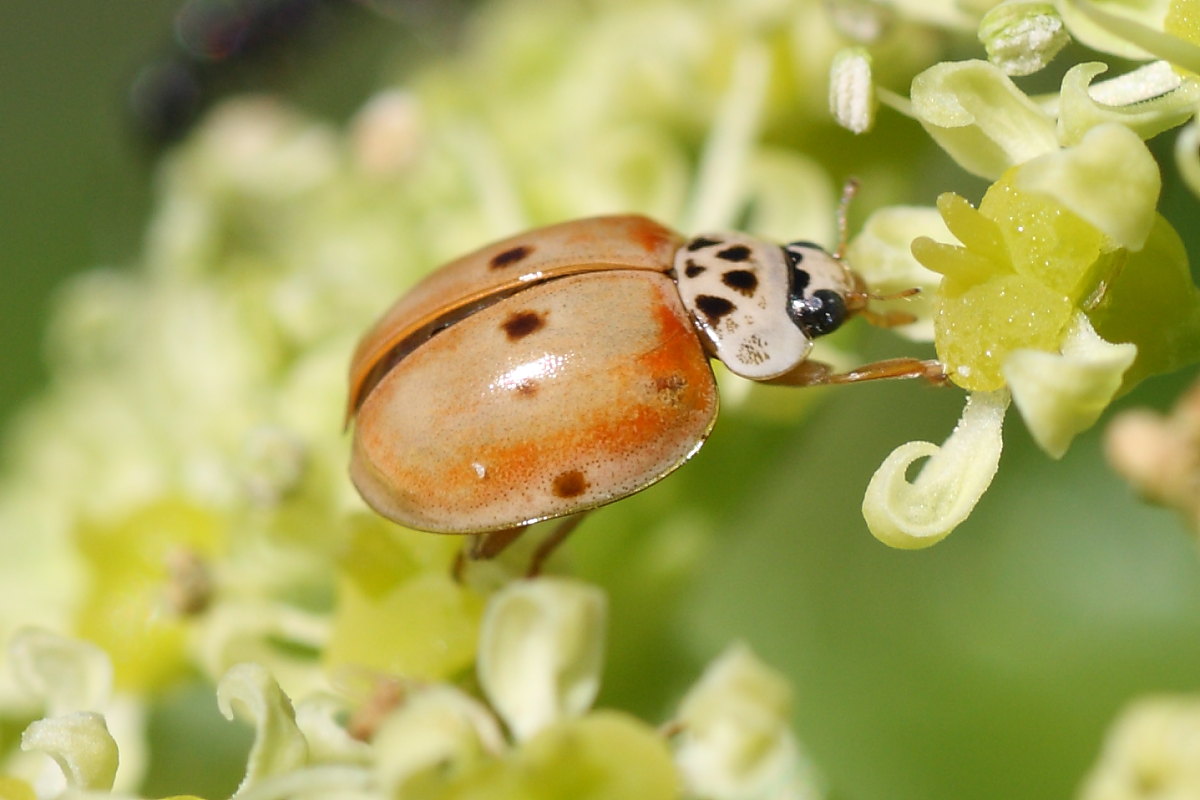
567, 367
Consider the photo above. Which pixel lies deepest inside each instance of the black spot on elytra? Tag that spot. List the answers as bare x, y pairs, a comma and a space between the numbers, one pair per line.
526, 388
700, 242
713, 307
522, 323
569, 484
693, 269
741, 280
739, 252
510, 256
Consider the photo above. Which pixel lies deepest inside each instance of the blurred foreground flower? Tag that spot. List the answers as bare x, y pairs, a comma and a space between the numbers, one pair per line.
1153, 750
1160, 454
539, 665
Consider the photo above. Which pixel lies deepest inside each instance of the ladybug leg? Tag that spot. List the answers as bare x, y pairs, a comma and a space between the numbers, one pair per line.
484, 546
816, 373
551, 543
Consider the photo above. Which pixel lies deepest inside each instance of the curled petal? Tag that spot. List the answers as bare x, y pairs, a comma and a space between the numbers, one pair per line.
1148, 100
65, 674
249, 691
321, 720
979, 116
734, 740
1187, 156
540, 651
80, 744
437, 730
923, 512
1118, 202
1062, 394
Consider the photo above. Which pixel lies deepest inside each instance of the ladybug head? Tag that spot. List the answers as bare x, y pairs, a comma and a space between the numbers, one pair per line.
821, 289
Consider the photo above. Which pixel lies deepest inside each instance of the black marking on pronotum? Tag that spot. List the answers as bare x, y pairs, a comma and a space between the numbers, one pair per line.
800, 279
693, 269
739, 252
510, 256
713, 307
741, 280
701, 242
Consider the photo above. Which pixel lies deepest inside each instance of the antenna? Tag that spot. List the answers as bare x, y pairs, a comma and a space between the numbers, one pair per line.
849, 189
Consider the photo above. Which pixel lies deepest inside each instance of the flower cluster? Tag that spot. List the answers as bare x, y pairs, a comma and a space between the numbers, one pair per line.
178, 498
1064, 287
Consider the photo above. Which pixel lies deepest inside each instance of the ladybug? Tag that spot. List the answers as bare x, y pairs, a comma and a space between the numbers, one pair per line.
568, 367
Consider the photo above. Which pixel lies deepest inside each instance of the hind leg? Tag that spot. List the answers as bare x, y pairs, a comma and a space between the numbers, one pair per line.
484, 546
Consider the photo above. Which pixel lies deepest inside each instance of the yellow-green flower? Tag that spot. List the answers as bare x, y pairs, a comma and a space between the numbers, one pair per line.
1046, 295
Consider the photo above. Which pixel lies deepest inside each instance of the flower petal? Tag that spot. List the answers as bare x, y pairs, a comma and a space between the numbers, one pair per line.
979, 116
1119, 202
248, 690
1061, 395
925, 511
882, 254
735, 741
540, 651
1138, 35
1155, 742
436, 730
1148, 100
64, 674
1187, 155
1152, 302
80, 744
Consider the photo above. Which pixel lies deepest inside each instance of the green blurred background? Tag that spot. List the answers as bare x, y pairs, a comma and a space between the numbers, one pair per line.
76, 166
987, 667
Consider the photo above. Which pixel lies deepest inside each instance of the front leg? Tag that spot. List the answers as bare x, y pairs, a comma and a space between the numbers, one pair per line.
484, 546
818, 373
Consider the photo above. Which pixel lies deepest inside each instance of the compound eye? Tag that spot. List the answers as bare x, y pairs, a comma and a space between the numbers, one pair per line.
822, 312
